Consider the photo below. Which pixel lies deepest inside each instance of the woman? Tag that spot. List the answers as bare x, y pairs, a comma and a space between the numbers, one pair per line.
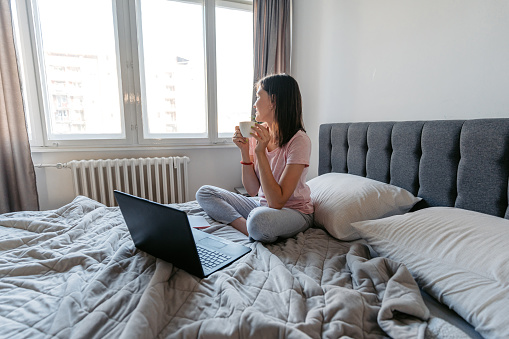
274, 162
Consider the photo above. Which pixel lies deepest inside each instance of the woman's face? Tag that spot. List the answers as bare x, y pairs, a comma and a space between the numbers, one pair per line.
264, 106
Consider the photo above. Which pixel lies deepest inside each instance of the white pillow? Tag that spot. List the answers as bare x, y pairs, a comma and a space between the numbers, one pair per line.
459, 257
340, 199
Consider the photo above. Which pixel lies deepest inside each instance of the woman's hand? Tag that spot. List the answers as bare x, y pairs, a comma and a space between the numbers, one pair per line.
249, 178
262, 136
240, 140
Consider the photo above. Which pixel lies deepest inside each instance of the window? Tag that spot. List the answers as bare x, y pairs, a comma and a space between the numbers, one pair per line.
173, 54
115, 72
234, 55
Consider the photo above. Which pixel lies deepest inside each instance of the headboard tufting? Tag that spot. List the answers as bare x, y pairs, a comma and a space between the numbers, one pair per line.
460, 163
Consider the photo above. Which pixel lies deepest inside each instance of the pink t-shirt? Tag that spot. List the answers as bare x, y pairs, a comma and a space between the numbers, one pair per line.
296, 151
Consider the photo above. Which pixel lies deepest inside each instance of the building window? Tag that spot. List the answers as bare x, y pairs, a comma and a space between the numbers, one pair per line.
140, 71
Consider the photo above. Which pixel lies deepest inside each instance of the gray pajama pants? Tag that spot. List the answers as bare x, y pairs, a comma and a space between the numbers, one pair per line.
263, 223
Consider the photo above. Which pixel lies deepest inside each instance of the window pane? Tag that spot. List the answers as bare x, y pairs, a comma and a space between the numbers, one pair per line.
172, 67
80, 65
234, 54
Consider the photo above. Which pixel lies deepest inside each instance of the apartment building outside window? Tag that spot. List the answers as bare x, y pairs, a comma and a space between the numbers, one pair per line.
135, 72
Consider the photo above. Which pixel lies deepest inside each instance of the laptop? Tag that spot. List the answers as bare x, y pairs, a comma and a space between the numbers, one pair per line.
165, 233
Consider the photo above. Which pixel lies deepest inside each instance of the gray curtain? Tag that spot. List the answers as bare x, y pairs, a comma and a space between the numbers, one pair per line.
272, 38
18, 190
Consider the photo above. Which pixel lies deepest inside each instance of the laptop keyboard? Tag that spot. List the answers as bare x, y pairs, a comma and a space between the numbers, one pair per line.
210, 258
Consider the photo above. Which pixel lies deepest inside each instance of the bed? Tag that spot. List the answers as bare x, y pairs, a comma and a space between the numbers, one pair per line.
410, 242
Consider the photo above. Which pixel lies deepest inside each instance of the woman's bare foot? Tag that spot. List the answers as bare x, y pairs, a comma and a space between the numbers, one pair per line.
240, 225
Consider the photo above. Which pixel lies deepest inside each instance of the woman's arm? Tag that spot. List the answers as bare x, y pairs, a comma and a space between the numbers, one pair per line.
277, 194
249, 178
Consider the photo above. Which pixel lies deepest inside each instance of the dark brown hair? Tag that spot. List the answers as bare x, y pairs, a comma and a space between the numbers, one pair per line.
284, 91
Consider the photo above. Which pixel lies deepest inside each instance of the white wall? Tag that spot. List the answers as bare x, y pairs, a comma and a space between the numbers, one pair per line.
210, 166
398, 60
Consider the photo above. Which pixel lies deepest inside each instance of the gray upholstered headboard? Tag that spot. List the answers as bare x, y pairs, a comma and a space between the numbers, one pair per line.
460, 163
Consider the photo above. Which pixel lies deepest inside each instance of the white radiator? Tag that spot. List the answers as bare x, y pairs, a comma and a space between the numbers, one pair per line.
164, 180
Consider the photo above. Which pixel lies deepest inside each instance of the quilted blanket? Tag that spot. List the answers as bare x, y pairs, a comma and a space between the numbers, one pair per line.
74, 273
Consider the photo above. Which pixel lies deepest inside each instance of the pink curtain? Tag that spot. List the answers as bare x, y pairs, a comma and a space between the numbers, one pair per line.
272, 37
18, 190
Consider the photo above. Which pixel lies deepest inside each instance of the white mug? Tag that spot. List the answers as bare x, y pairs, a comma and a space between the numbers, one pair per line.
245, 128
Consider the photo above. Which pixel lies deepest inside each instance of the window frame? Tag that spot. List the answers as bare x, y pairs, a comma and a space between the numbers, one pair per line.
126, 19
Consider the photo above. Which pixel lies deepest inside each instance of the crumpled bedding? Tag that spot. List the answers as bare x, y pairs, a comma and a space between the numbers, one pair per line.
74, 273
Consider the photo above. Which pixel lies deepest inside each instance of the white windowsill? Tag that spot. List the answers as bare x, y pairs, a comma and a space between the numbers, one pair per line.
53, 149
